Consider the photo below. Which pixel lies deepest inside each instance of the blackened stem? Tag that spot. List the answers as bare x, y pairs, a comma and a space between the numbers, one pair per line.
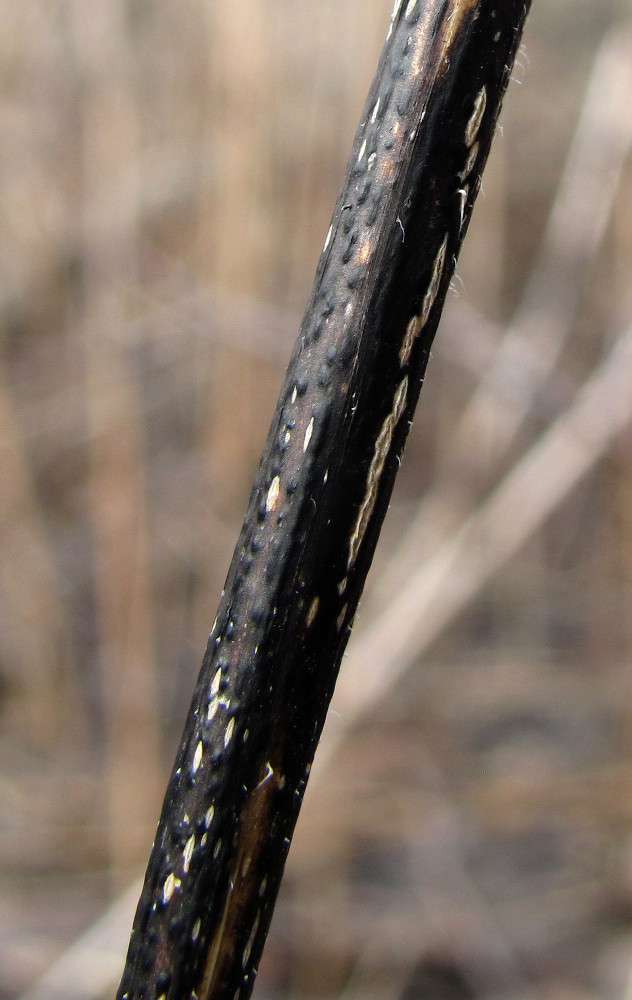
319, 499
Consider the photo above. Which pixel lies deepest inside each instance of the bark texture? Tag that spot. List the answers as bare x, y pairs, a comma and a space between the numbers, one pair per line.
319, 498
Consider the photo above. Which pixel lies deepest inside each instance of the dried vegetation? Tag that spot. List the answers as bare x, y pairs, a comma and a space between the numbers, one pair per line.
167, 172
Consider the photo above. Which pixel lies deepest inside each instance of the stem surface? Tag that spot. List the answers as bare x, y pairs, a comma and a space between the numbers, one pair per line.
318, 500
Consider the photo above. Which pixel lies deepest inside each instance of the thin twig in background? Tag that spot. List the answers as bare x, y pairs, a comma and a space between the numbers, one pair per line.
526, 356
118, 510
33, 604
491, 534
90, 967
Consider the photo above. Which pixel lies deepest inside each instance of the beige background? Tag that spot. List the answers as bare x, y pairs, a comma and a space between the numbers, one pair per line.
167, 174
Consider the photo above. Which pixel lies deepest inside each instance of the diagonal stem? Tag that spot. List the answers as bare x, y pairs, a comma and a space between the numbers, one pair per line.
319, 498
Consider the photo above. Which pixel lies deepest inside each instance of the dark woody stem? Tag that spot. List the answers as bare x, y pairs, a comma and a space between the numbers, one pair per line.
319, 498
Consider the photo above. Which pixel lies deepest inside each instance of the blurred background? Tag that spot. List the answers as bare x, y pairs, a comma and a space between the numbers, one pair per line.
167, 175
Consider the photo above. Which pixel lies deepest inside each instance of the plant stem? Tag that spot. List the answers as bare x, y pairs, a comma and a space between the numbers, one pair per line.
319, 498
